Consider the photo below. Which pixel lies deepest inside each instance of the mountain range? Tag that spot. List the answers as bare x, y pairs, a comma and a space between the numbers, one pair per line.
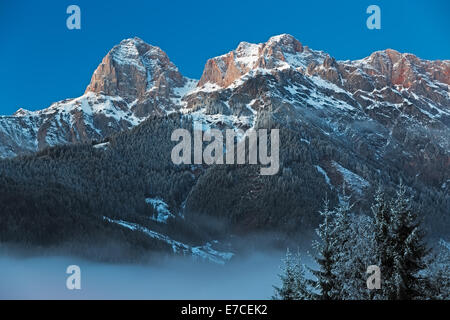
346, 127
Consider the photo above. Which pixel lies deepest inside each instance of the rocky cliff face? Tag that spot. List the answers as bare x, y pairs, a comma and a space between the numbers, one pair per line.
141, 74
132, 68
224, 70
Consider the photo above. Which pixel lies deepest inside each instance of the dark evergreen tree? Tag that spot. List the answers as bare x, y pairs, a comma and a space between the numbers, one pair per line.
352, 247
400, 248
409, 247
325, 283
384, 254
287, 291
294, 285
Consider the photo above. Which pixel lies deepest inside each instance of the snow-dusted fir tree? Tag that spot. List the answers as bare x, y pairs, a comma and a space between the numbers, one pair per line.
353, 247
325, 284
384, 254
354, 257
294, 285
362, 256
410, 250
343, 241
288, 289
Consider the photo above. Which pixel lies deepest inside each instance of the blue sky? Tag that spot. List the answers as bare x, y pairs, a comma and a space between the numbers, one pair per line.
43, 62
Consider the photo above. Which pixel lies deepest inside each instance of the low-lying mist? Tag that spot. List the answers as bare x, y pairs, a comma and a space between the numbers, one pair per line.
249, 277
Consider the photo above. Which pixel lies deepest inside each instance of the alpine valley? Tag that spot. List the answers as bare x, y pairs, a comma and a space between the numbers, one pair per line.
93, 175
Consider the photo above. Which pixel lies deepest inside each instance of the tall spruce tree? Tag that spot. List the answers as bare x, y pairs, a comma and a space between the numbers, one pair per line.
361, 254
353, 247
294, 285
409, 247
384, 254
342, 268
400, 248
325, 284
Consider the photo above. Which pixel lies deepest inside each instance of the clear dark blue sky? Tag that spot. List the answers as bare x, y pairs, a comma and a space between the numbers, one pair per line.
42, 61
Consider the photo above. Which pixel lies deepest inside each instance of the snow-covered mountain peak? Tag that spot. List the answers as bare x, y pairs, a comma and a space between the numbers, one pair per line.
21, 112
135, 51
127, 52
286, 43
278, 53
132, 68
